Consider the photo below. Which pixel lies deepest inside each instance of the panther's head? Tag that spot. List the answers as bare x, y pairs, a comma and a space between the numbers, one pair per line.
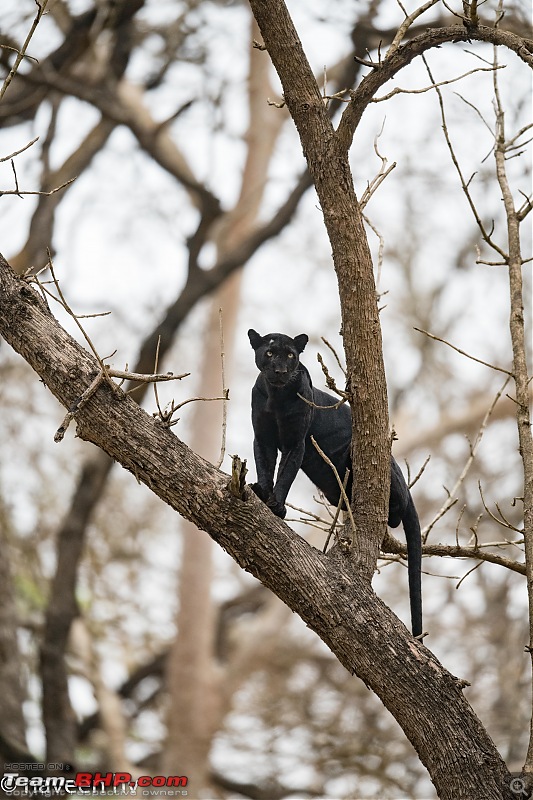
277, 355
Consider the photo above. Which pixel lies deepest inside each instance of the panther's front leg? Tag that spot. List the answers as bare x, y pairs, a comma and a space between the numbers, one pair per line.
290, 463
265, 455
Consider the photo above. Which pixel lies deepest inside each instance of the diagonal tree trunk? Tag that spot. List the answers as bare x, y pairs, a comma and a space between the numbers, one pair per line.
333, 600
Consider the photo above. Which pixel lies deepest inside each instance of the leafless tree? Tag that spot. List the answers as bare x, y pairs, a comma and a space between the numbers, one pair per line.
332, 593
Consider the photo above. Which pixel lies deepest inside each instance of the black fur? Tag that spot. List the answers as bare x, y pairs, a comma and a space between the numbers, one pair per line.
283, 421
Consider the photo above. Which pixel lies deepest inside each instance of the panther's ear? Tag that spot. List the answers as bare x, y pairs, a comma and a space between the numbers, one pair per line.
300, 342
255, 338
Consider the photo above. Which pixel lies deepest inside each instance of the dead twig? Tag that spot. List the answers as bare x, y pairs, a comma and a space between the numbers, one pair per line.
406, 24
451, 499
337, 510
41, 5
486, 234
463, 353
106, 372
335, 354
376, 182
502, 519
18, 152
165, 416
344, 496
393, 545
411, 483
424, 89
237, 482
225, 394
22, 192
78, 405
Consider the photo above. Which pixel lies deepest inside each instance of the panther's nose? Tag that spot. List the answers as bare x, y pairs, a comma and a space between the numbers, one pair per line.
280, 370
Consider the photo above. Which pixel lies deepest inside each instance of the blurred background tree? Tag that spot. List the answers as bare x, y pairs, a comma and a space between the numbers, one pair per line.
190, 196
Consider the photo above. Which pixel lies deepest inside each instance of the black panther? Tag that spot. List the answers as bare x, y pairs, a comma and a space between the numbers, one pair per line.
283, 421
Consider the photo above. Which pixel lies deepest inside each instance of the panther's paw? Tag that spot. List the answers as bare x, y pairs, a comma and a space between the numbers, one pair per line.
276, 507
263, 494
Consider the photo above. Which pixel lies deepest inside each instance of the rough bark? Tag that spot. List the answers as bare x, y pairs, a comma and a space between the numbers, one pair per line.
353, 265
338, 604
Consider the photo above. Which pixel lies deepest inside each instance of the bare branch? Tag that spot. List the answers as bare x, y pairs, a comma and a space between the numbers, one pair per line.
399, 90
41, 5
487, 235
225, 394
62, 301
78, 405
406, 24
404, 54
501, 520
344, 496
337, 511
20, 192
18, 152
463, 353
376, 182
156, 377
335, 354
452, 500
393, 545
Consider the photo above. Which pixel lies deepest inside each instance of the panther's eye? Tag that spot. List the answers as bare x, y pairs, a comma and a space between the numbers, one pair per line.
268, 353
290, 355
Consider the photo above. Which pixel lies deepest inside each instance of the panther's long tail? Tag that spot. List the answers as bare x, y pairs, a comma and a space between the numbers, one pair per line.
411, 526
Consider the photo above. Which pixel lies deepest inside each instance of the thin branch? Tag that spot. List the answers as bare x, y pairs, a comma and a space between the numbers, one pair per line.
166, 415
501, 520
463, 353
78, 405
470, 571
18, 152
335, 354
156, 364
452, 500
156, 377
404, 55
424, 89
330, 382
411, 483
519, 345
322, 408
406, 24
225, 394
63, 301
376, 182
344, 496
41, 5
523, 211
475, 108
487, 235
100, 377
20, 192
393, 545
337, 510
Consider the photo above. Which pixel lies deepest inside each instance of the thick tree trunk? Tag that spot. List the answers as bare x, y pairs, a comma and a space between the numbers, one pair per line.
361, 330
338, 604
